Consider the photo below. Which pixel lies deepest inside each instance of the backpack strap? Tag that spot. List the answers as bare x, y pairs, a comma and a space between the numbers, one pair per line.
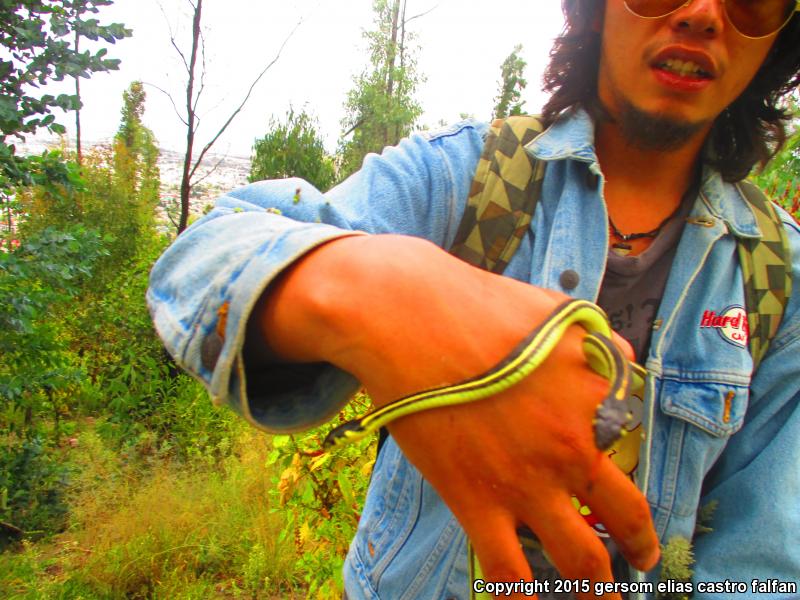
503, 196
765, 264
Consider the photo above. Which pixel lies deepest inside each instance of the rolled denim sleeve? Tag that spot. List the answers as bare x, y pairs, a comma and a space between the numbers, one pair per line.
756, 482
203, 288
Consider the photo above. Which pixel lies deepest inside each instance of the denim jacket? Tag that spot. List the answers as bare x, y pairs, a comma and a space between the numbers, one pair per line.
713, 432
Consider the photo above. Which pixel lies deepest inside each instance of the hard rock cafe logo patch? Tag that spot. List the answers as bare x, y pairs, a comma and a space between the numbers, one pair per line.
730, 323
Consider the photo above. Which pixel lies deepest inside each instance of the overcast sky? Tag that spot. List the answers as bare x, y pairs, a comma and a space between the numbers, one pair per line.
461, 46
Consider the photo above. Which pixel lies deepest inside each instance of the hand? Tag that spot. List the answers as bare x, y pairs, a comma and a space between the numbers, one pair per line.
402, 315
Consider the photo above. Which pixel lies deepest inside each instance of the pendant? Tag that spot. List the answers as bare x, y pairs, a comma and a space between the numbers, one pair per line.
621, 248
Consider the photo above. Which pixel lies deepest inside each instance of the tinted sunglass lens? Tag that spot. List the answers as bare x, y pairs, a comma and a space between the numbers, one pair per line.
753, 18
758, 18
653, 8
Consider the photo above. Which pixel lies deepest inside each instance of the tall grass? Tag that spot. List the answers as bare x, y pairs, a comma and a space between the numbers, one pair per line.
168, 531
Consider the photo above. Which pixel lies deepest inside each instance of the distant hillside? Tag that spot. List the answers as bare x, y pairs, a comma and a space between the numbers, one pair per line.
218, 174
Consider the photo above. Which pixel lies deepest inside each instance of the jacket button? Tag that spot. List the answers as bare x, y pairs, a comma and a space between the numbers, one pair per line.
569, 279
210, 349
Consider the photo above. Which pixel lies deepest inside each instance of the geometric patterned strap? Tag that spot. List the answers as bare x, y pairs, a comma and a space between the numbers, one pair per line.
765, 264
503, 195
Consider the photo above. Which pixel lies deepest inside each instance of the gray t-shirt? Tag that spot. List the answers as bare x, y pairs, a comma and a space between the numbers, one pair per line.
633, 285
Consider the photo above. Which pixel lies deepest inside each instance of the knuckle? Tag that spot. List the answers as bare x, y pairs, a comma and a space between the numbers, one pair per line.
637, 519
572, 443
588, 562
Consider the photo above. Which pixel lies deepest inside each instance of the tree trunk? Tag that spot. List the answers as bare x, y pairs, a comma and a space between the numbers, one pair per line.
56, 415
402, 51
391, 57
78, 150
9, 222
186, 185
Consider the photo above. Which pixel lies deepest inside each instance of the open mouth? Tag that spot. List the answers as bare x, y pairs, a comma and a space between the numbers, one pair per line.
683, 68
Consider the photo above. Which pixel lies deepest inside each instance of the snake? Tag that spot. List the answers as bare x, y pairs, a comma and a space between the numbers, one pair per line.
602, 355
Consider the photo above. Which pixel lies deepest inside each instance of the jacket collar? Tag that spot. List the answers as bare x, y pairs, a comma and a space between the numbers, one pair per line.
572, 137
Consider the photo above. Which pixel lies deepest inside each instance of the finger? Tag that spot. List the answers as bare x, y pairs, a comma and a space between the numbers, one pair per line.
620, 506
572, 545
495, 542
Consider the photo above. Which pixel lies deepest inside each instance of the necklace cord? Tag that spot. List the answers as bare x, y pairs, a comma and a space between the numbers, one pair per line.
626, 237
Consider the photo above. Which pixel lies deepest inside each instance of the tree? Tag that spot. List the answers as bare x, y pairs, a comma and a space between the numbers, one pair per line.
511, 85
33, 32
195, 83
381, 109
89, 29
37, 373
135, 149
117, 196
292, 148
34, 35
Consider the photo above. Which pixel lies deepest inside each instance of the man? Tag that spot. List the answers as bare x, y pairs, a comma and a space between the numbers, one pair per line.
281, 305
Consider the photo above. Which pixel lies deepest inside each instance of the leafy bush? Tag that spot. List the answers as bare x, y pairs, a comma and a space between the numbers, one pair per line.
292, 148
321, 494
32, 485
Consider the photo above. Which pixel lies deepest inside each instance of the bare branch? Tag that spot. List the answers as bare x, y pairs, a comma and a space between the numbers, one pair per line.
202, 73
203, 54
11, 529
211, 171
180, 53
246, 98
422, 14
172, 36
168, 206
171, 220
196, 34
357, 124
168, 95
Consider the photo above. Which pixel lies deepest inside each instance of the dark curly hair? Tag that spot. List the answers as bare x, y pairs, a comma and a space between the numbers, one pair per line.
751, 130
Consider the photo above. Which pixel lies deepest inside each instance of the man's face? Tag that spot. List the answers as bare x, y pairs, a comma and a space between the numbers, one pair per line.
685, 68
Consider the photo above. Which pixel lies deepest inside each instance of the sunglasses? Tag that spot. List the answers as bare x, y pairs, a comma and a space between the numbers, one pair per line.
751, 18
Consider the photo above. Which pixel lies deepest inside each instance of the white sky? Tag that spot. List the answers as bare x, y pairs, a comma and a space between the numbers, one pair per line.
462, 45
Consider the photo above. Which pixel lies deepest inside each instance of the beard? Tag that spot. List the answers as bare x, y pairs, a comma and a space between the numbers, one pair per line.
655, 132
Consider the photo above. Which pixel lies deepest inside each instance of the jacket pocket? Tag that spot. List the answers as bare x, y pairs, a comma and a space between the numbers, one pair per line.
714, 407
691, 431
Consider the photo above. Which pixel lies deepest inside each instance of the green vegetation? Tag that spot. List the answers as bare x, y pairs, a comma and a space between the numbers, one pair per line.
512, 83
781, 179
380, 109
40, 38
293, 148
118, 478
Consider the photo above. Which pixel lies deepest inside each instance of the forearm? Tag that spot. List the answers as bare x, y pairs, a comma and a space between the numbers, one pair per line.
395, 305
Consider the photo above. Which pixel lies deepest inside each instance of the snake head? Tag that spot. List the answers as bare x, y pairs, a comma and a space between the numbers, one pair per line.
343, 434
609, 424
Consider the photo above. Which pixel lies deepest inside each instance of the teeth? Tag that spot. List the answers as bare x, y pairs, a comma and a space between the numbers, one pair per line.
682, 67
